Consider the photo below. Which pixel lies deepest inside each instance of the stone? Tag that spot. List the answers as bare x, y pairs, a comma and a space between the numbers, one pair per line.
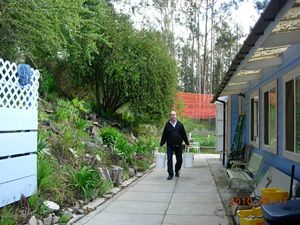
51, 206
116, 174
74, 219
97, 158
33, 221
70, 210
95, 203
94, 130
131, 172
40, 222
80, 211
81, 202
55, 219
47, 220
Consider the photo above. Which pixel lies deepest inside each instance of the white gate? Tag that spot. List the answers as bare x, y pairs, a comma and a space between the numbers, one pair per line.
18, 134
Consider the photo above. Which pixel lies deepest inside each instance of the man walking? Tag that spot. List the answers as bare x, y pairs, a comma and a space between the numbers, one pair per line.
174, 133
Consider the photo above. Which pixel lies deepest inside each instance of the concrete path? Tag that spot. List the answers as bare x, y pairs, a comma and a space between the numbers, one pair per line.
193, 198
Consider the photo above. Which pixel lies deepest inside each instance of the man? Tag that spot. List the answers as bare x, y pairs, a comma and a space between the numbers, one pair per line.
174, 133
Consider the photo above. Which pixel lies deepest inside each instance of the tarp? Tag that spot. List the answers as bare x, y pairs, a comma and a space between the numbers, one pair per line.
196, 106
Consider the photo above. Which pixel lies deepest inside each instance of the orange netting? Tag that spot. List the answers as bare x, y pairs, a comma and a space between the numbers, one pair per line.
196, 106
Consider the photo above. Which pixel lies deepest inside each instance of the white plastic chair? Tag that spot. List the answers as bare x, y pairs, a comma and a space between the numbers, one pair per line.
192, 145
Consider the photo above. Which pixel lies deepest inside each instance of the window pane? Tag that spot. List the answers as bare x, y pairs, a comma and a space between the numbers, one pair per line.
252, 119
256, 118
298, 114
289, 116
266, 118
273, 117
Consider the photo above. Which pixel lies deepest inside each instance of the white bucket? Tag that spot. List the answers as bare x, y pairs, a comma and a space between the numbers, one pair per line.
188, 159
160, 160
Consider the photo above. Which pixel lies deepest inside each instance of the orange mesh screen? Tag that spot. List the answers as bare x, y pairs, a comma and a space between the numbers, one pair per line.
196, 106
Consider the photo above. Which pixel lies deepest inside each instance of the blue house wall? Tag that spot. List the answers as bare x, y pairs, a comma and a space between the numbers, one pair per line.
291, 60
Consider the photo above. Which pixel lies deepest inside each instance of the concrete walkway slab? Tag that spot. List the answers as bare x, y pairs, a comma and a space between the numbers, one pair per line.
193, 198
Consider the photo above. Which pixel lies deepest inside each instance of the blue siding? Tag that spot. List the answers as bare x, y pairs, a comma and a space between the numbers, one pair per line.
234, 114
291, 60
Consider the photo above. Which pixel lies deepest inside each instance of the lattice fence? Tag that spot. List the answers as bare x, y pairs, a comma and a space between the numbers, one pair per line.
18, 134
12, 94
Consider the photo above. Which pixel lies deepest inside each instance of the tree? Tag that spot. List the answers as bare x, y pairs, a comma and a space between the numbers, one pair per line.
135, 69
45, 29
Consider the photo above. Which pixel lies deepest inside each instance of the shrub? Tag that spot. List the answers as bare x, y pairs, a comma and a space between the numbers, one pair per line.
86, 180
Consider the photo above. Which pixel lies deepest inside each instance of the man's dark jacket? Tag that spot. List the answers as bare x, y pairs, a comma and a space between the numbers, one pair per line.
174, 136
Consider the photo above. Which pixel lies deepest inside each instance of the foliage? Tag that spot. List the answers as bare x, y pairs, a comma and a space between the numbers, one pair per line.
42, 144
79, 104
109, 135
206, 140
45, 173
7, 217
37, 206
86, 180
64, 218
46, 28
180, 106
136, 69
145, 145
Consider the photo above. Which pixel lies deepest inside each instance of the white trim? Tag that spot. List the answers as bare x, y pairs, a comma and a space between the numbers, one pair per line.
286, 154
254, 143
228, 126
266, 88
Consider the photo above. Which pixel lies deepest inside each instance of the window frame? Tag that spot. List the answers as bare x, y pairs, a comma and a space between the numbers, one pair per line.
286, 78
267, 88
252, 96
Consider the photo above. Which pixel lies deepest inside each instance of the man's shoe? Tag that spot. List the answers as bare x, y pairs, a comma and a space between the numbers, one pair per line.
177, 175
169, 177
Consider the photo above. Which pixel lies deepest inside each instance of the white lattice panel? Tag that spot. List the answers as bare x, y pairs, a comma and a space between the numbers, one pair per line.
12, 94
18, 134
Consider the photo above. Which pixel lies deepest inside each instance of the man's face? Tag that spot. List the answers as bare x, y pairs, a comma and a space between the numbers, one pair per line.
173, 116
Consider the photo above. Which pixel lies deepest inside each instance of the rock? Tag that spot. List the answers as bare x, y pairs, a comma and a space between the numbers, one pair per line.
116, 173
49, 111
47, 220
55, 219
40, 222
81, 202
104, 173
74, 219
94, 130
97, 158
95, 203
132, 137
51, 206
80, 211
74, 153
70, 210
33, 221
131, 172
115, 190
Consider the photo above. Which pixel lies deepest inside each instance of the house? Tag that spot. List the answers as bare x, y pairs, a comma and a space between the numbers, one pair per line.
263, 82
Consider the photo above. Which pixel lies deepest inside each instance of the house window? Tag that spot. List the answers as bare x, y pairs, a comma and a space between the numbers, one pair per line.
254, 119
291, 115
270, 117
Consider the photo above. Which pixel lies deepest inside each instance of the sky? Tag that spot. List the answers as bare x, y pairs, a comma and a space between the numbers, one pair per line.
246, 15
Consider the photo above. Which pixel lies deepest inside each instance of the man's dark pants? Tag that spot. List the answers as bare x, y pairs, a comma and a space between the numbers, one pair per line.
178, 153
